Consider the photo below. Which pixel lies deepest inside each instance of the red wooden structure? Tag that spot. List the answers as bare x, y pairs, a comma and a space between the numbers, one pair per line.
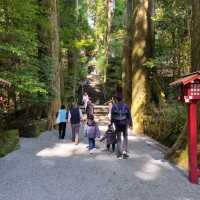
190, 94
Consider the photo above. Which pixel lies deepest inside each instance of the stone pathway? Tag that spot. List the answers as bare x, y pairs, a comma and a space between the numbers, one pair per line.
48, 169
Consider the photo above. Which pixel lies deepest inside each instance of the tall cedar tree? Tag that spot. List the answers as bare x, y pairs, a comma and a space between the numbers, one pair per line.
127, 51
141, 51
51, 45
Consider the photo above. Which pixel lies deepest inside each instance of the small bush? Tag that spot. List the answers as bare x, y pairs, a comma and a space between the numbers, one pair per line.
33, 129
9, 141
166, 123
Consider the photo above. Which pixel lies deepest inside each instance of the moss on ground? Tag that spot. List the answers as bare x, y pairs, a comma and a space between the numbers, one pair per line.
9, 141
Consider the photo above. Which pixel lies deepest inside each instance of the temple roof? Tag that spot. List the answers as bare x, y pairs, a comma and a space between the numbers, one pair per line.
186, 79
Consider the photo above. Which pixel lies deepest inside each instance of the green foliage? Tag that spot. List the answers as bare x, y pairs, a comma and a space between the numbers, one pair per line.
118, 18
19, 62
101, 61
101, 35
9, 141
172, 28
77, 41
166, 123
17, 29
77, 77
114, 68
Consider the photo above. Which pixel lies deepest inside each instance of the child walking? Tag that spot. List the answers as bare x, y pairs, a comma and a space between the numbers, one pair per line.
91, 132
110, 137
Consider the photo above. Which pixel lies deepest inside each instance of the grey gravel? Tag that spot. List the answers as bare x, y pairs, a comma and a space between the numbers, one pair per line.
46, 168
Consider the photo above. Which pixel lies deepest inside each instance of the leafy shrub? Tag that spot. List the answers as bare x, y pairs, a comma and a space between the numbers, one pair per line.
33, 129
166, 123
9, 141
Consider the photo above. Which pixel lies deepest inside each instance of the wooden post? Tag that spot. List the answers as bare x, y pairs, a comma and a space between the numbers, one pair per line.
192, 142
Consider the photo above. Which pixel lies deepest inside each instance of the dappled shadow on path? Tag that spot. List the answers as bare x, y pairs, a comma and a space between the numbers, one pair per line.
48, 168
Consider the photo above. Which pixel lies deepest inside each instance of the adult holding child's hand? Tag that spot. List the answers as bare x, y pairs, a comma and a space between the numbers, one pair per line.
75, 117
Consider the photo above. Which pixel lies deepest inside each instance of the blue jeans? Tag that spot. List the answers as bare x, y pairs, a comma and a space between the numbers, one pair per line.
91, 143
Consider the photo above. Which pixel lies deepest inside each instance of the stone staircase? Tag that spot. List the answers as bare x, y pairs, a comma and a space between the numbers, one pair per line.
95, 91
94, 88
100, 114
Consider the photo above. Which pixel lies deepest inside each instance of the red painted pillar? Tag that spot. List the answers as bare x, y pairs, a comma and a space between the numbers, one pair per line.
192, 142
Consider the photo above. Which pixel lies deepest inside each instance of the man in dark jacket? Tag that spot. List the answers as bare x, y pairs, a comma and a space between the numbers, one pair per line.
121, 117
75, 117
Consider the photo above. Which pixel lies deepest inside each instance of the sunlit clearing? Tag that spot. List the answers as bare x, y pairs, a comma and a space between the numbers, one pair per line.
149, 171
63, 150
103, 128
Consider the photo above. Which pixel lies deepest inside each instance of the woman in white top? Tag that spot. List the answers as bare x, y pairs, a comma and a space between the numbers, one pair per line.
85, 100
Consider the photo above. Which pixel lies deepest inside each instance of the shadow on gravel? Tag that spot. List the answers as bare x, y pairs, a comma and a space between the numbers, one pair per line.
146, 161
145, 174
48, 168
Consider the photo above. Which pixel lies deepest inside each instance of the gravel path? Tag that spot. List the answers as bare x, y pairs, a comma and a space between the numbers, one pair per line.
48, 169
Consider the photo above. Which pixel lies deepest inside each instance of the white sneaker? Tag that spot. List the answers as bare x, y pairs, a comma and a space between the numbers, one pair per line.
91, 151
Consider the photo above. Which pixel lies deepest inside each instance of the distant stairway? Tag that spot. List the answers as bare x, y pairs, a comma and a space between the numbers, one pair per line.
94, 88
100, 114
95, 91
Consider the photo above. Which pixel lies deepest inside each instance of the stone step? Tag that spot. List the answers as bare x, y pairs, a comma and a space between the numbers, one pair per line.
100, 113
97, 107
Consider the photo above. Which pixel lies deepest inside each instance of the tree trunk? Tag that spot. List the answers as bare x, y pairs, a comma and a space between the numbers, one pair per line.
110, 11
141, 51
127, 54
101, 29
195, 53
179, 145
54, 53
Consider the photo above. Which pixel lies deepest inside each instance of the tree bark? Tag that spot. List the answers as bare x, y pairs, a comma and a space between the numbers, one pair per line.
110, 11
54, 53
195, 40
127, 54
101, 28
141, 51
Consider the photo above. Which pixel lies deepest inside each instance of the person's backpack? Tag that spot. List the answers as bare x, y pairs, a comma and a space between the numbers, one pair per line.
120, 114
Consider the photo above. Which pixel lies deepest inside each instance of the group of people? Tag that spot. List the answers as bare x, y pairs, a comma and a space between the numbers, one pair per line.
74, 117
120, 120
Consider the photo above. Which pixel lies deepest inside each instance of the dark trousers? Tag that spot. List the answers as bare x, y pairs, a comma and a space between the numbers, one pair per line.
122, 146
62, 128
91, 142
113, 147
